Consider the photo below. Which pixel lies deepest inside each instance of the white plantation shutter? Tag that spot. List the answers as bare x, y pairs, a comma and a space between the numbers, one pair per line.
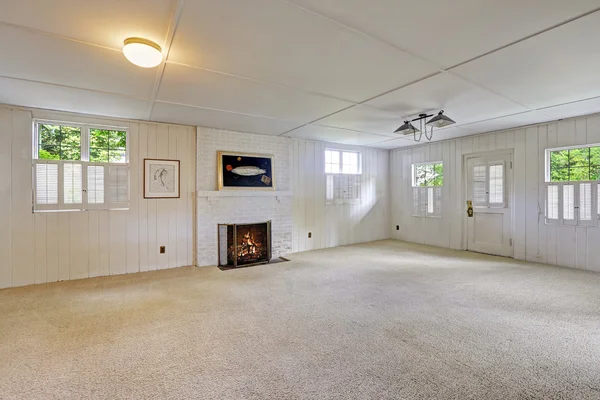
587, 204
552, 204
430, 203
572, 203
568, 207
329, 188
427, 201
118, 186
343, 189
437, 201
480, 184
72, 185
46, 185
95, 186
496, 184
417, 202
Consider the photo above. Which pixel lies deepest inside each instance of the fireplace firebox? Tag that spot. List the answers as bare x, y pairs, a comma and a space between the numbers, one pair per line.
244, 244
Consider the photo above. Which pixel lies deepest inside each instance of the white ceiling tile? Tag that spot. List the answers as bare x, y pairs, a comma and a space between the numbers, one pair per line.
508, 122
556, 67
365, 119
275, 41
41, 95
335, 135
393, 144
185, 115
450, 32
186, 85
105, 22
460, 100
49, 59
575, 109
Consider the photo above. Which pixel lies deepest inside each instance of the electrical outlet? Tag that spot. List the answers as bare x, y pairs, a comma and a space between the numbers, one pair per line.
397, 227
309, 235
163, 249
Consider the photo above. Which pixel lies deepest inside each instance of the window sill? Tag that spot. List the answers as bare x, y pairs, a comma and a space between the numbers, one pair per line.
69, 211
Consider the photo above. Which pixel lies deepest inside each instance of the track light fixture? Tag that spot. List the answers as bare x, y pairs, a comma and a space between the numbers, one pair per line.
439, 121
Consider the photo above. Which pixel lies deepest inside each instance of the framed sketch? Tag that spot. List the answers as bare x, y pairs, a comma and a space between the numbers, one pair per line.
161, 179
245, 171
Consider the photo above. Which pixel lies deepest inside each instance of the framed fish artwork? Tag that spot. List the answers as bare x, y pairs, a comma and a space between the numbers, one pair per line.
161, 179
245, 171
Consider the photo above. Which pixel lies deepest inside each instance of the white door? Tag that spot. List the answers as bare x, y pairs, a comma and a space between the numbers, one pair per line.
488, 188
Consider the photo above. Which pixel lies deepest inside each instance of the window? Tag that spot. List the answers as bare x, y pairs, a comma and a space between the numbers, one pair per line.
427, 182
79, 167
342, 162
343, 172
488, 184
572, 176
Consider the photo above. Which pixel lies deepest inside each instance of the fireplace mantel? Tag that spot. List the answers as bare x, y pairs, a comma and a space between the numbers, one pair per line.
213, 196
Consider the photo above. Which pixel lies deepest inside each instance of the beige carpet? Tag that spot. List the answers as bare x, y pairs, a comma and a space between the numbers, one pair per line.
384, 320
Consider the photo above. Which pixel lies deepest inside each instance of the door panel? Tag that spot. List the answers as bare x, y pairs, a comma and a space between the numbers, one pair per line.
489, 186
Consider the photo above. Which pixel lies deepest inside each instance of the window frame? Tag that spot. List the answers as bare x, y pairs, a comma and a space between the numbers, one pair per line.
341, 161
338, 182
422, 195
85, 131
414, 172
595, 193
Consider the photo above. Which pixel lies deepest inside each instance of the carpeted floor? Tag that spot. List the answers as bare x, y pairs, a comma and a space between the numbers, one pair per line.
384, 320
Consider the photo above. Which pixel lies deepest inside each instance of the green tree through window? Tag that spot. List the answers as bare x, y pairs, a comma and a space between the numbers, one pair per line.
581, 164
429, 174
108, 145
57, 142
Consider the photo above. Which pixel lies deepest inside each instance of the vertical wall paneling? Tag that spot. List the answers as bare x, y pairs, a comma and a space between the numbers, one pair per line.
5, 199
151, 205
78, 245
21, 196
181, 150
39, 223
520, 187
531, 194
593, 235
162, 205
64, 252
192, 256
133, 242
93, 244
142, 203
542, 253
171, 204
54, 246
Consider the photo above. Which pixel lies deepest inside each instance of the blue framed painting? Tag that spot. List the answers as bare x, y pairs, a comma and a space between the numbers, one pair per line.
245, 171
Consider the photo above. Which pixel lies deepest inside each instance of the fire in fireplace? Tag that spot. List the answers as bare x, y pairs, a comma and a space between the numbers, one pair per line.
244, 244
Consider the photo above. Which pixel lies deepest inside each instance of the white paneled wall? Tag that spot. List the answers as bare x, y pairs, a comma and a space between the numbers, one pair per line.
337, 224
533, 240
48, 247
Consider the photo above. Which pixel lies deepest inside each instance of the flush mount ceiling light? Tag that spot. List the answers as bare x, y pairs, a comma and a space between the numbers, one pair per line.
142, 52
439, 121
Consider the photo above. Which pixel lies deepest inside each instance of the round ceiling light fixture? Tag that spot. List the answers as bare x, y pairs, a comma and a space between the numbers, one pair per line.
142, 52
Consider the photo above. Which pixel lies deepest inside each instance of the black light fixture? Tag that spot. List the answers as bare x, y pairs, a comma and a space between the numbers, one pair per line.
407, 129
439, 121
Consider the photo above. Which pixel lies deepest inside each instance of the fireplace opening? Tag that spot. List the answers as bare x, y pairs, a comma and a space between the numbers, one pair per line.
244, 244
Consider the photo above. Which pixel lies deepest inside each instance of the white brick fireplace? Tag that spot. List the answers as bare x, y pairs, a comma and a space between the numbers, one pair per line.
241, 206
